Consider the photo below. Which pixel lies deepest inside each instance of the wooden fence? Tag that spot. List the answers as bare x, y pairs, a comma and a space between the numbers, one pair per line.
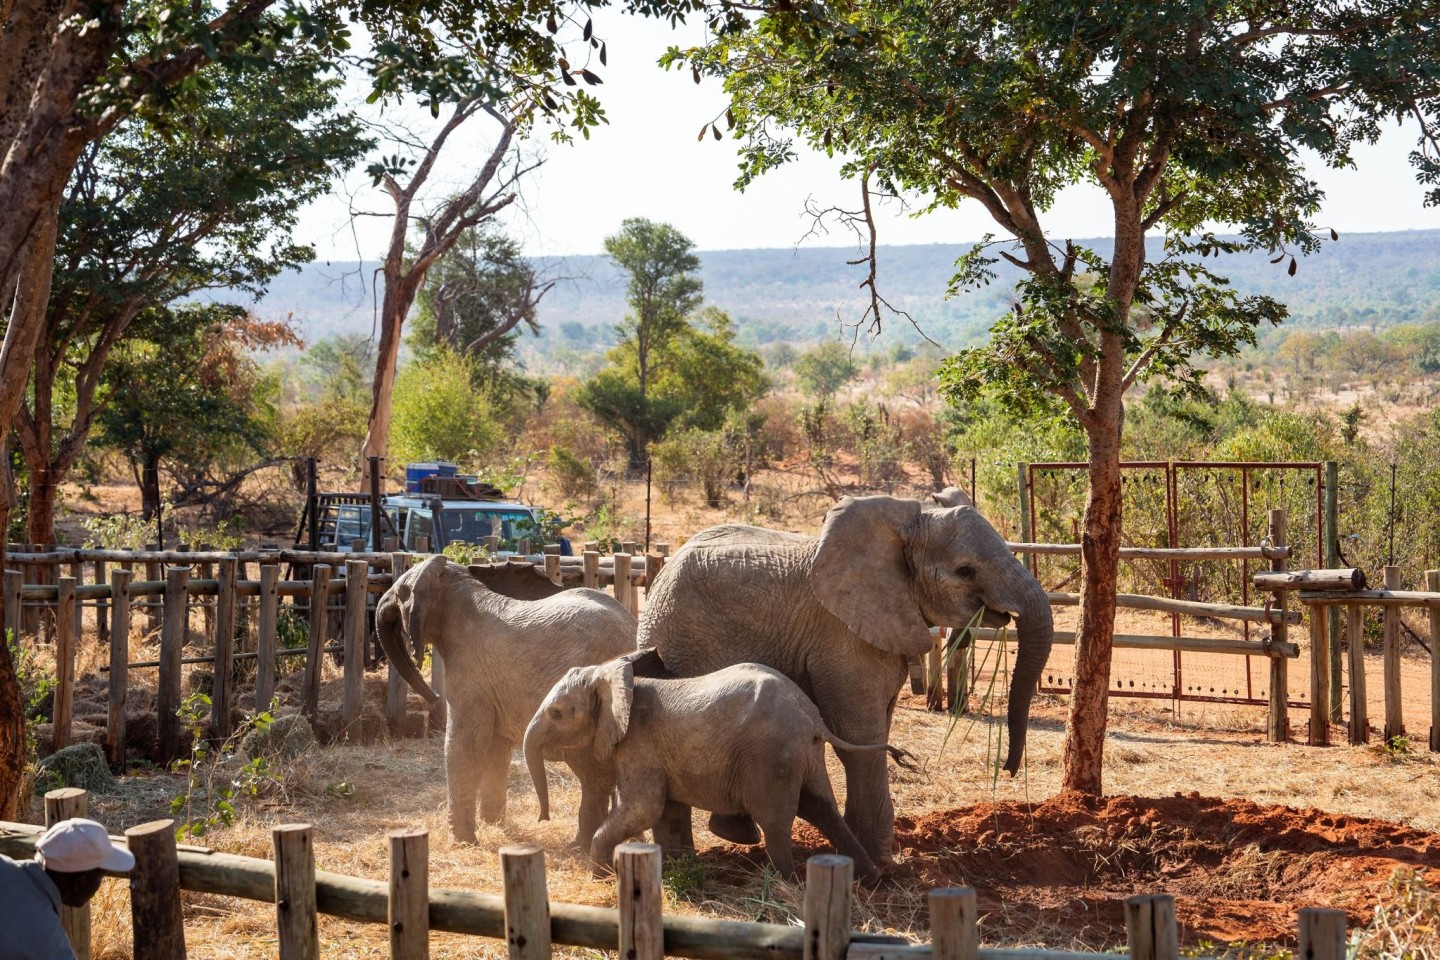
347, 584
952, 669
1318, 597
531, 925
242, 618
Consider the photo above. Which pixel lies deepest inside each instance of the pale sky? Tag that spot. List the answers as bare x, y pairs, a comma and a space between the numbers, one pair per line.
646, 162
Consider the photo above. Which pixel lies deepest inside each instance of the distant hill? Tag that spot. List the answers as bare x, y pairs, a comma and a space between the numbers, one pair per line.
795, 295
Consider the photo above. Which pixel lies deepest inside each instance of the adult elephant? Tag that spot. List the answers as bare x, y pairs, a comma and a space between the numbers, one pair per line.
501, 658
840, 614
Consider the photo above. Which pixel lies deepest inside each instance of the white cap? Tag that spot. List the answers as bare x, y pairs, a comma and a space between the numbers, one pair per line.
75, 846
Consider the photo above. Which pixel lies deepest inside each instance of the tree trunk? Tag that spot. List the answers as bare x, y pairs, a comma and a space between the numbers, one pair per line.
399, 295
41, 518
1100, 558
150, 486
12, 718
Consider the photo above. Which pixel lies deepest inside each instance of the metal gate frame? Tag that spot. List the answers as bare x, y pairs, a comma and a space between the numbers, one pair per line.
1175, 582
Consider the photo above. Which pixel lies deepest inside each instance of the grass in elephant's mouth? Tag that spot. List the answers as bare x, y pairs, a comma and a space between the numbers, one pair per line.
402, 784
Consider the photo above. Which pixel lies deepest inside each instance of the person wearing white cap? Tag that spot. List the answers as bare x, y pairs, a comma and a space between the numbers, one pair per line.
71, 858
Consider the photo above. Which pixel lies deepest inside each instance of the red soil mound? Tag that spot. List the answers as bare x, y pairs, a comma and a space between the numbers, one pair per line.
1060, 870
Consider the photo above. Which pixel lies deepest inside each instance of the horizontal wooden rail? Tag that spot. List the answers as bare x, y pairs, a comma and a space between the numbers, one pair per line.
1136, 641
192, 661
1224, 611
1163, 553
1348, 578
1379, 598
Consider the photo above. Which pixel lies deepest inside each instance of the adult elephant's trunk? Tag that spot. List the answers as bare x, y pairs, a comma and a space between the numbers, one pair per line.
535, 736
387, 629
1035, 632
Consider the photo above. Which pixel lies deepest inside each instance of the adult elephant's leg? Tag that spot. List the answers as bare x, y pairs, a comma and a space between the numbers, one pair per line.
467, 738
859, 711
494, 777
672, 831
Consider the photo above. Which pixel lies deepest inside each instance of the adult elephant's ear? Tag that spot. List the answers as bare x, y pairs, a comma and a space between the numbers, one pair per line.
615, 687
859, 573
424, 594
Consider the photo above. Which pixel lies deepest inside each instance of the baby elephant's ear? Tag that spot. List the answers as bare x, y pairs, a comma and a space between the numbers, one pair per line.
615, 686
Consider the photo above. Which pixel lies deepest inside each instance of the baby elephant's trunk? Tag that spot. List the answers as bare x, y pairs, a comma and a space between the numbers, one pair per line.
535, 737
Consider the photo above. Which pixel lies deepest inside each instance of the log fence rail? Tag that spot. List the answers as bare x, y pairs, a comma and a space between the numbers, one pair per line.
531, 924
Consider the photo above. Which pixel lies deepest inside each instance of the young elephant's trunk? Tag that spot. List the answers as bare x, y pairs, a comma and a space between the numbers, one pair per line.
387, 630
535, 736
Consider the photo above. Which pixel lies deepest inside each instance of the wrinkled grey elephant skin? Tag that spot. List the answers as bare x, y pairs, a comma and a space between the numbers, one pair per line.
742, 740
839, 614
501, 657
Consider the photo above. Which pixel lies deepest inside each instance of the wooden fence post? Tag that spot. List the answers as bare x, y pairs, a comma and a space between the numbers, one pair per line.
1432, 584
1278, 727
527, 902
623, 587
319, 630
267, 619
119, 666
654, 563
204, 571
637, 891
397, 691
1150, 919
102, 605
954, 934
172, 642
357, 575
590, 576
14, 580
155, 910
827, 906
223, 617
1359, 706
153, 571
77, 609
63, 805
1319, 678
1332, 560
959, 649
65, 640
1322, 934
552, 563
1394, 708
935, 674
295, 889
409, 910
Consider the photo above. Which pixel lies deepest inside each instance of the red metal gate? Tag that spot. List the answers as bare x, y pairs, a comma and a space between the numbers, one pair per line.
1229, 511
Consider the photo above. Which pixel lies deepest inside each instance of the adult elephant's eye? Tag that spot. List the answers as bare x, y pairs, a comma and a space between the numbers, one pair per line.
965, 572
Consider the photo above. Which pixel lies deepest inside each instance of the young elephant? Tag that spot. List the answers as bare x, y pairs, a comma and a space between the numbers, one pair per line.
501, 657
742, 740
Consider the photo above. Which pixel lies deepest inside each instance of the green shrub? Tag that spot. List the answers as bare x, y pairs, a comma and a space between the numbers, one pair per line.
575, 477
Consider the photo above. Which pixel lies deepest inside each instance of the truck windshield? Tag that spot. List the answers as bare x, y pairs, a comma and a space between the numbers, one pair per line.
472, 526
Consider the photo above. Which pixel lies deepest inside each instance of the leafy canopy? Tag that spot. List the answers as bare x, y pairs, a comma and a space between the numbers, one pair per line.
1189, 114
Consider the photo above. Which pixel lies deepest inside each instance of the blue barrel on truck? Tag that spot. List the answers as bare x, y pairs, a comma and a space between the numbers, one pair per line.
415, 472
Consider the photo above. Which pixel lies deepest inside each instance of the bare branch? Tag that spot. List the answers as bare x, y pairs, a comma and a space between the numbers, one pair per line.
862, 223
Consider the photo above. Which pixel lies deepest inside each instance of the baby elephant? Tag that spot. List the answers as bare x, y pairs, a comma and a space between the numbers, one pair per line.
742, 740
